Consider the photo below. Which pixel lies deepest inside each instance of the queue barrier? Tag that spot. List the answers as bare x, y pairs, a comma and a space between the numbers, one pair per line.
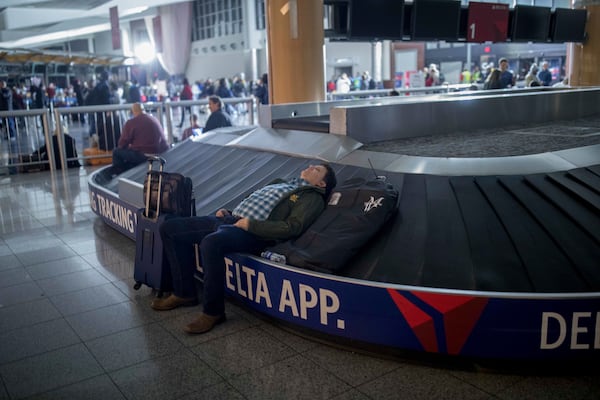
26, 131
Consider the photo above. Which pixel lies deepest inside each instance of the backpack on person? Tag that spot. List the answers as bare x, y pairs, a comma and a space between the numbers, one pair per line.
356, 211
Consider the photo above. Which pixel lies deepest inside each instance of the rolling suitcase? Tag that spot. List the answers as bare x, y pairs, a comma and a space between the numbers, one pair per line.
166, 195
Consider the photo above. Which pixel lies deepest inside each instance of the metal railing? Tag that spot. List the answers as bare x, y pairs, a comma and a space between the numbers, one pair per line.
23, 135
443, 88
26, 135
249, 104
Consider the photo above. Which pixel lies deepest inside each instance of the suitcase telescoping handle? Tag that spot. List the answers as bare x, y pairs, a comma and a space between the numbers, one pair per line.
161, 161
152, 159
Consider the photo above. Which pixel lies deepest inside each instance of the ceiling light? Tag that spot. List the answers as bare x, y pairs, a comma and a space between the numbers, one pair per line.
145, 52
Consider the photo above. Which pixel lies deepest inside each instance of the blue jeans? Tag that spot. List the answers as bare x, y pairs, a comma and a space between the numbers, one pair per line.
217, 237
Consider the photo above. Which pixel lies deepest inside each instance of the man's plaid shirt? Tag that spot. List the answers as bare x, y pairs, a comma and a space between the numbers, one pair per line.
260, 203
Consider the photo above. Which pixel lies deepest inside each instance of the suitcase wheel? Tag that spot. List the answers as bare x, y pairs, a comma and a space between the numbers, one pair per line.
137, 285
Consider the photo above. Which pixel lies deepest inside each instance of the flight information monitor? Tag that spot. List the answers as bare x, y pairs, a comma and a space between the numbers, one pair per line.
487, 22
531, 24
435, 20
568, 25
376, 19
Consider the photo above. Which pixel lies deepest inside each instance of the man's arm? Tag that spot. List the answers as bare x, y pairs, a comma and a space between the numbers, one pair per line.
302, 215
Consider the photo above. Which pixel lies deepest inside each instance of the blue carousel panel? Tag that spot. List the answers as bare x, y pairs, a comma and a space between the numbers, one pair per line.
480, 325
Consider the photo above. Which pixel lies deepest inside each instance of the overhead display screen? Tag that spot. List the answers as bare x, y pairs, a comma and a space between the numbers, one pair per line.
435, 20
487, 22
376, 19
568, 25
531, 24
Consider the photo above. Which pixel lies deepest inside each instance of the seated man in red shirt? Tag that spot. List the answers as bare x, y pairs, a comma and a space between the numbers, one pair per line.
141, 135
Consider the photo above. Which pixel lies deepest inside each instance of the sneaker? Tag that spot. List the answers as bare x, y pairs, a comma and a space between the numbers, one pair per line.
171, 302
204, 323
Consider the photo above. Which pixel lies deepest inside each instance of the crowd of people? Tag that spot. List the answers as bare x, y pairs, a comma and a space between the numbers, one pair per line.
104, 90
78, 92
503, 77
130, 137
346, 84
488, 75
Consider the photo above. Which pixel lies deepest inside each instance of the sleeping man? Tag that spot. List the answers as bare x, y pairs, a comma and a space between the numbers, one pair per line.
281, 210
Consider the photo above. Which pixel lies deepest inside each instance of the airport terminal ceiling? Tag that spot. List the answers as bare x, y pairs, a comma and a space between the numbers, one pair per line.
36, 23
65, 15
23, 19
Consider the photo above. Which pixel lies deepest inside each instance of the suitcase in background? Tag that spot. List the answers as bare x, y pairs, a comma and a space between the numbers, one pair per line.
166, 195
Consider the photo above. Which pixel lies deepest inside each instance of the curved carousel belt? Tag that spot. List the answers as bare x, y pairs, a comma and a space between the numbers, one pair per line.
495, 266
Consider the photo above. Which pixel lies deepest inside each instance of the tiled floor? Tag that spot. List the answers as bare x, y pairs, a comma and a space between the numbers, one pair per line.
72, 327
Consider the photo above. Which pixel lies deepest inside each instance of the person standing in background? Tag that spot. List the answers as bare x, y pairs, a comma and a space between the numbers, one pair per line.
261, 91
77, 89
531, 79
507, 79
186, 94
545, 76
6, 104
343, 84
133, 94
99, 95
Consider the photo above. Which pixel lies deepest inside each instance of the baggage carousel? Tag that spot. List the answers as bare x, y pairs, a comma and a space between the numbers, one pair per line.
488, 258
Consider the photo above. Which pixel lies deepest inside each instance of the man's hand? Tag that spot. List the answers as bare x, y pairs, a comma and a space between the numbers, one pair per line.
222, 213
242, 223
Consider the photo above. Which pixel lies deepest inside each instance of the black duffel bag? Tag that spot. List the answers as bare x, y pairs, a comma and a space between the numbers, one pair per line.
357, 210
176, 192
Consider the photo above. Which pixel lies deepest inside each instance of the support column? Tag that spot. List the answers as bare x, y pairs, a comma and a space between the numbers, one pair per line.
585, 57
376, 58
252, 41
386, 62
295, 50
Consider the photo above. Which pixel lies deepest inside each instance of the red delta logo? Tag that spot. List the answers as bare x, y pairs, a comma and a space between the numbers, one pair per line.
459, 315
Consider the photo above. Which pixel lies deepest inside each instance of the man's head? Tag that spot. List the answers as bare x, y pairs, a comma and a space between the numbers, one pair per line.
321, 175
214, 103
137, 109
503, 64
545, 65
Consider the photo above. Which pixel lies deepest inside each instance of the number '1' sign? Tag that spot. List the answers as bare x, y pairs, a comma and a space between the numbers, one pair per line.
487, 22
